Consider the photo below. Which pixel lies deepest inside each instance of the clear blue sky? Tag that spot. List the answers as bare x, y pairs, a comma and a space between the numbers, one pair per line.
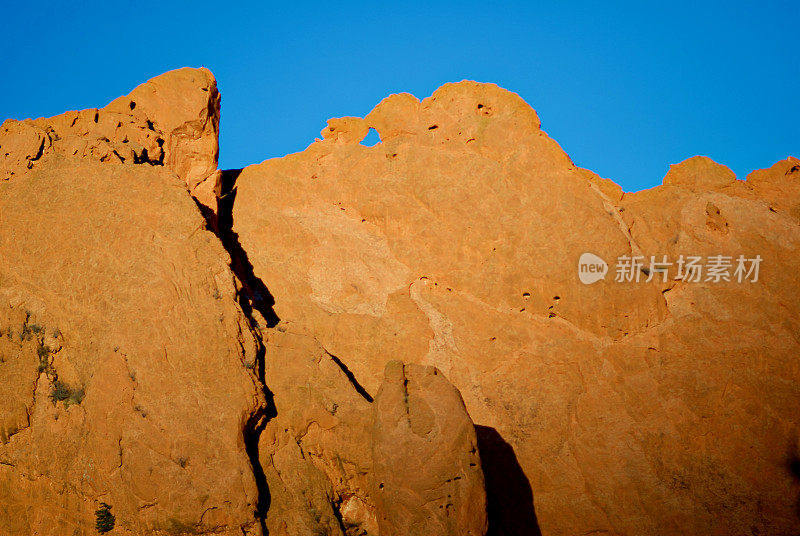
625, 88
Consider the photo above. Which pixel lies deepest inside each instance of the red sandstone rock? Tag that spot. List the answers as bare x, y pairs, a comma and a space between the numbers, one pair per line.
426, 475
338, 463
624, 408
123, 356
133, 376
171, 120
699, 172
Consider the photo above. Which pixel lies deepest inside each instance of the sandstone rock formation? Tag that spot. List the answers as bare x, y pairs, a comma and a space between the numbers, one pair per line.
426, 476
623, 408
171, 121
246, 380
126, 363
338, 462
132, 366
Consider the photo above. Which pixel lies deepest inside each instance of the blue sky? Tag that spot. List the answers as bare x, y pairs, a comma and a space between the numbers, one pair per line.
625, 88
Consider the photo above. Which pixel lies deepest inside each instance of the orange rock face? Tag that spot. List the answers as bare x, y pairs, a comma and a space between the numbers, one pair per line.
315, 365
125, 361
170, 121
339, 462
426, 477
620, 407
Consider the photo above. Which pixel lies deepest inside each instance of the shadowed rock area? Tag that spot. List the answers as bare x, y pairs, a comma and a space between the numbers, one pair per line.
301, 347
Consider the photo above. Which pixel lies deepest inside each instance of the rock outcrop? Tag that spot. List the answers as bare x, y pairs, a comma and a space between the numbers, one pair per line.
426, 476
134, 364
125, 360
309, 358
622, 407
339, 462
170, 121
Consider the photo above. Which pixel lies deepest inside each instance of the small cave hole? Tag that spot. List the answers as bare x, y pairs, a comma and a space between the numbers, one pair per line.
132, 105
371, 139
433, 127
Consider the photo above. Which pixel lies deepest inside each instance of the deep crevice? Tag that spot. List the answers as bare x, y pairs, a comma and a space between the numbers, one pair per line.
252, 434
336, 506
254, 291
253, 295
255, 426
793, 467
39, 152
351, 377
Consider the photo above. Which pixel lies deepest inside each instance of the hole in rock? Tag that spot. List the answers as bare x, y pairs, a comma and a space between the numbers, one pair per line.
372, 138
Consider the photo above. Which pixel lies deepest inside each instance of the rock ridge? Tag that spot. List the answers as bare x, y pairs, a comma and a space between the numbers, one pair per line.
393, 339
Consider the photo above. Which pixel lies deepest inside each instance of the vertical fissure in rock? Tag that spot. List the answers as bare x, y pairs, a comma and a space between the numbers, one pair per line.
252, 434
253, 295
336, 506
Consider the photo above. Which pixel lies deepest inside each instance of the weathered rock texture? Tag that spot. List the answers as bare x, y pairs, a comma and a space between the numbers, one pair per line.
124, 355
426, 477
337, 462
171, 121
619, 408
248, 379
132, 362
